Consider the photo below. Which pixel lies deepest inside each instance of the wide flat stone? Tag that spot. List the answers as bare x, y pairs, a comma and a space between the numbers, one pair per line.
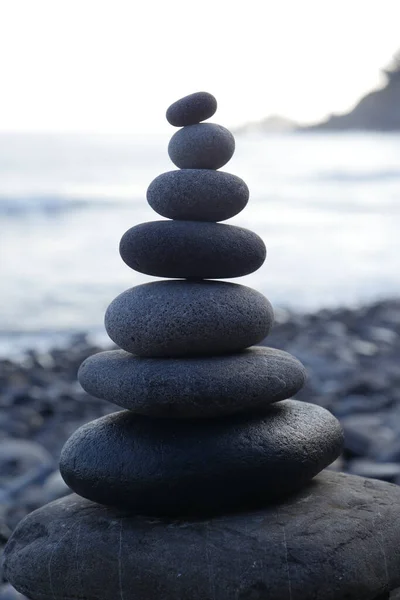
182, 318
337, 538
203, 146
191, 109
197, 195
192, 387
159, 466
190, 249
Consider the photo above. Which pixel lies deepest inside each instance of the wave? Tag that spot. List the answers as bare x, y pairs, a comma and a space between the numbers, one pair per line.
360, 176
28, 205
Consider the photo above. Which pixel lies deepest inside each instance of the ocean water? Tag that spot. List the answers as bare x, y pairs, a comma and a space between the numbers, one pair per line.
327, 207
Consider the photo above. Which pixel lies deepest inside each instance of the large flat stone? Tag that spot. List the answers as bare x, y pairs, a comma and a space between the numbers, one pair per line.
337, 539
197, 195
182, 318
156, 466
192, 249
192, 387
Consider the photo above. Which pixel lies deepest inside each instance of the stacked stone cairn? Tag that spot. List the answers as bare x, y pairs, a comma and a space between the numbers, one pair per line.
201, 488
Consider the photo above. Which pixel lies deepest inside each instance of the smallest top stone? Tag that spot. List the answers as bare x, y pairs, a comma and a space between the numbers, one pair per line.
191, 109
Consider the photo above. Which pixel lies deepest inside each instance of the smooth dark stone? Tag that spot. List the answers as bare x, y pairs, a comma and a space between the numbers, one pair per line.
191, 249
181, 318
154, 466
203, 146
192, 387
191, 109
336, 539
197, 195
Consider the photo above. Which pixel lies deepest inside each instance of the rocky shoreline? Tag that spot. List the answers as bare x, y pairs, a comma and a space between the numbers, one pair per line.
352, 357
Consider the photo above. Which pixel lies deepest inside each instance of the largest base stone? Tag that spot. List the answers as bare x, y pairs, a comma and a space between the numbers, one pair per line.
337, 539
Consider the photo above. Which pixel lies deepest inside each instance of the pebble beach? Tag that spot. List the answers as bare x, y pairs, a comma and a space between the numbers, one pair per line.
352, 359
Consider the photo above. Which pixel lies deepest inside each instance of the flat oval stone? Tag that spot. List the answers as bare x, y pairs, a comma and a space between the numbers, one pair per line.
337, 538
182, 318
191, 249
192, 387
203, 146
197, 195
191, 109
154, 466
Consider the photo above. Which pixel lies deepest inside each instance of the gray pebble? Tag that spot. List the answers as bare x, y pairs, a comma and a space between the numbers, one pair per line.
197, 195
192, 249
203, 146
159, 466
191, 109
192, 387
181, 318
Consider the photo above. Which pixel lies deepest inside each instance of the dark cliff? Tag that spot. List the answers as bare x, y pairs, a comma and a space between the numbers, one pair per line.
377, 111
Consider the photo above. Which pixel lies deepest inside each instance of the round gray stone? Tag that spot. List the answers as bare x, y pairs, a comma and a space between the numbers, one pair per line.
191, 109
197, 195
203, 146
159, 466
182, 318
338, 538
192, 249
192, 387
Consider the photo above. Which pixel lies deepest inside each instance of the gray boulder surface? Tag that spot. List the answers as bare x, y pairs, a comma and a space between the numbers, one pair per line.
183, 318
192, 250
197, 195
179, 467
336, 539
192, 387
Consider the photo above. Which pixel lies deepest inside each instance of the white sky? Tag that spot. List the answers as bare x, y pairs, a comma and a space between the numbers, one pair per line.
115, 65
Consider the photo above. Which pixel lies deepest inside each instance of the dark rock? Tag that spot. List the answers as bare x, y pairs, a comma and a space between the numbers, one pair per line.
154, 466
203, 146
192, 387
310, 546
198, 195
366, 435
190, 249
191, 109
181, 318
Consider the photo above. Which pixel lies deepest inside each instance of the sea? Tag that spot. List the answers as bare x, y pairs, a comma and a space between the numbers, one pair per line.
326, 205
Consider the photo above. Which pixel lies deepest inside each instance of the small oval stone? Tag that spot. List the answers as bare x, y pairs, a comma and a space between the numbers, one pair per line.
182, 318
192, 387
153, 466
203, 146
197, 195
191, 109
191, 249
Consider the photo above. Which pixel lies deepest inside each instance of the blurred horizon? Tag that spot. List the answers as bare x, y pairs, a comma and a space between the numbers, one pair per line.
102, 67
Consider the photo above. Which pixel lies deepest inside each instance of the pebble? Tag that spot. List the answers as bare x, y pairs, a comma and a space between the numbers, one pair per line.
154, 466
191, 109
192, 387
190, 249
181, 318
245, 555
197, 195
203, 146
